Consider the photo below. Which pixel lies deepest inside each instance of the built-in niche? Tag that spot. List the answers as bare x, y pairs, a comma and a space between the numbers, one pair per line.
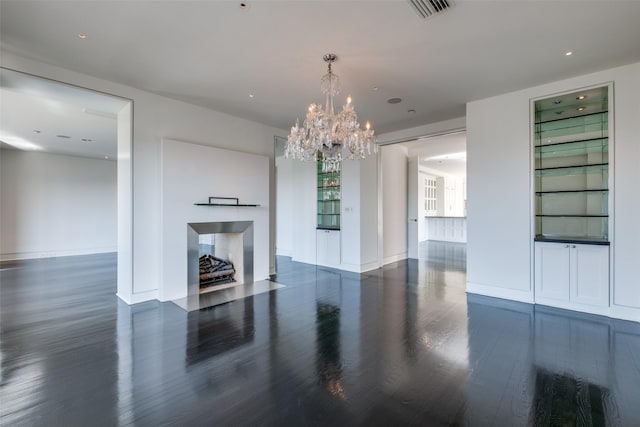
571, 150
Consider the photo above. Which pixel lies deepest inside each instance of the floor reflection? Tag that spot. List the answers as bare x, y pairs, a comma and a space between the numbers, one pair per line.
566, 401
402, 345
213, 331
328, 354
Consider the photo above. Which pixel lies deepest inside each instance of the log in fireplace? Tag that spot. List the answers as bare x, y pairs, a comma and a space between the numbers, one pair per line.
215, 271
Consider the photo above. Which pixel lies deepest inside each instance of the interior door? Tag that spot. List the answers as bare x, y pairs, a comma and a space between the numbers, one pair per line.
412, 209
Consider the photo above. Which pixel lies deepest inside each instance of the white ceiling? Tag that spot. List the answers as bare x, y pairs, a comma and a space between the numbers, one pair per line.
43, 115
214, 54
444, 155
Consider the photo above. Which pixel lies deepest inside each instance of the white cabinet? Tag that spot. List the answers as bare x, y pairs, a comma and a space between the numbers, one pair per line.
446, 229
573, 276
328, 248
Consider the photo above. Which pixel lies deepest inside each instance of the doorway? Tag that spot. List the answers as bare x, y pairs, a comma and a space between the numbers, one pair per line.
67, 172
423, 194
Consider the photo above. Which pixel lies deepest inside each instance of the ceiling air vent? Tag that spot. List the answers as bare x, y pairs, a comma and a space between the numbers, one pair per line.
427, 8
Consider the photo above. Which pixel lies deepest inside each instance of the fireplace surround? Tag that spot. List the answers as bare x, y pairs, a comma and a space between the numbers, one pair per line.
238, 238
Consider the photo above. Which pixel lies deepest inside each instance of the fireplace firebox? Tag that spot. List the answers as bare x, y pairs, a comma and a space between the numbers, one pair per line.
219, 253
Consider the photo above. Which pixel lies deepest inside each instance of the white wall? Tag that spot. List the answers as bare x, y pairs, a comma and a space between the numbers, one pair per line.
422, 212
499, 249
284, 206
359, 219
56, 205
156, 117
191, 174
369, 234
304, 176
350, 215
394, 202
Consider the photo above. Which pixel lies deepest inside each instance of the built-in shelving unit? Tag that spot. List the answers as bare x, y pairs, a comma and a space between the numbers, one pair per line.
328, 199
572, 167
572, 199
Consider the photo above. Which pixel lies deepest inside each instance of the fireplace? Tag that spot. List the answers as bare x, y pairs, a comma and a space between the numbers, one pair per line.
224, 249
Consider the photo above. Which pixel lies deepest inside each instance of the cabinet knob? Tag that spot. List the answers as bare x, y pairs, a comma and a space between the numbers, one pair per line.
573, 246
566, 246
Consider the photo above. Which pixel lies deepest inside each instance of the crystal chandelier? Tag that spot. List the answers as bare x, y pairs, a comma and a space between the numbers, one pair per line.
328, 133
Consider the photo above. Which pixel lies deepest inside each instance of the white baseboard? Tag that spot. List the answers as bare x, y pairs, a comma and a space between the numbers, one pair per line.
368, 266
394, 258
600, 311
615, 311
139, 297
625, 313
358, 268
58, 253
284, 252
504, 293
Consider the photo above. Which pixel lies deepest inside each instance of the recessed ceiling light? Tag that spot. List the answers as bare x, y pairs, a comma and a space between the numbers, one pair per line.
250, 95
394, 100
36, 131
568, 53
581, 97
412, 111
580, 108
106, 157
63, 136
375, 88
82, 35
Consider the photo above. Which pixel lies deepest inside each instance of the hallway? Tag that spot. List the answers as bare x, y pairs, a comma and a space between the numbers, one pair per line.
402, 345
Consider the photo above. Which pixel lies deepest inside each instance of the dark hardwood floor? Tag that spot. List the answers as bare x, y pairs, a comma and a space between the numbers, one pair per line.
403, 345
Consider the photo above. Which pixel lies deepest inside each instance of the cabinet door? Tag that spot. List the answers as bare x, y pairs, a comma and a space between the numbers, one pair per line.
552, 271
590, 275
328, 248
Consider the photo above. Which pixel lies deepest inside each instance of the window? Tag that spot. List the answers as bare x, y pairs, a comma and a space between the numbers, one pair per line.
430, 196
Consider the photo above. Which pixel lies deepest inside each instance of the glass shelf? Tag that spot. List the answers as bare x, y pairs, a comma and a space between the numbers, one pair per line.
328, 194
578, 203
329, 207
573, 129
572, 227
329, 221
576, 178
573, 168
565, 154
